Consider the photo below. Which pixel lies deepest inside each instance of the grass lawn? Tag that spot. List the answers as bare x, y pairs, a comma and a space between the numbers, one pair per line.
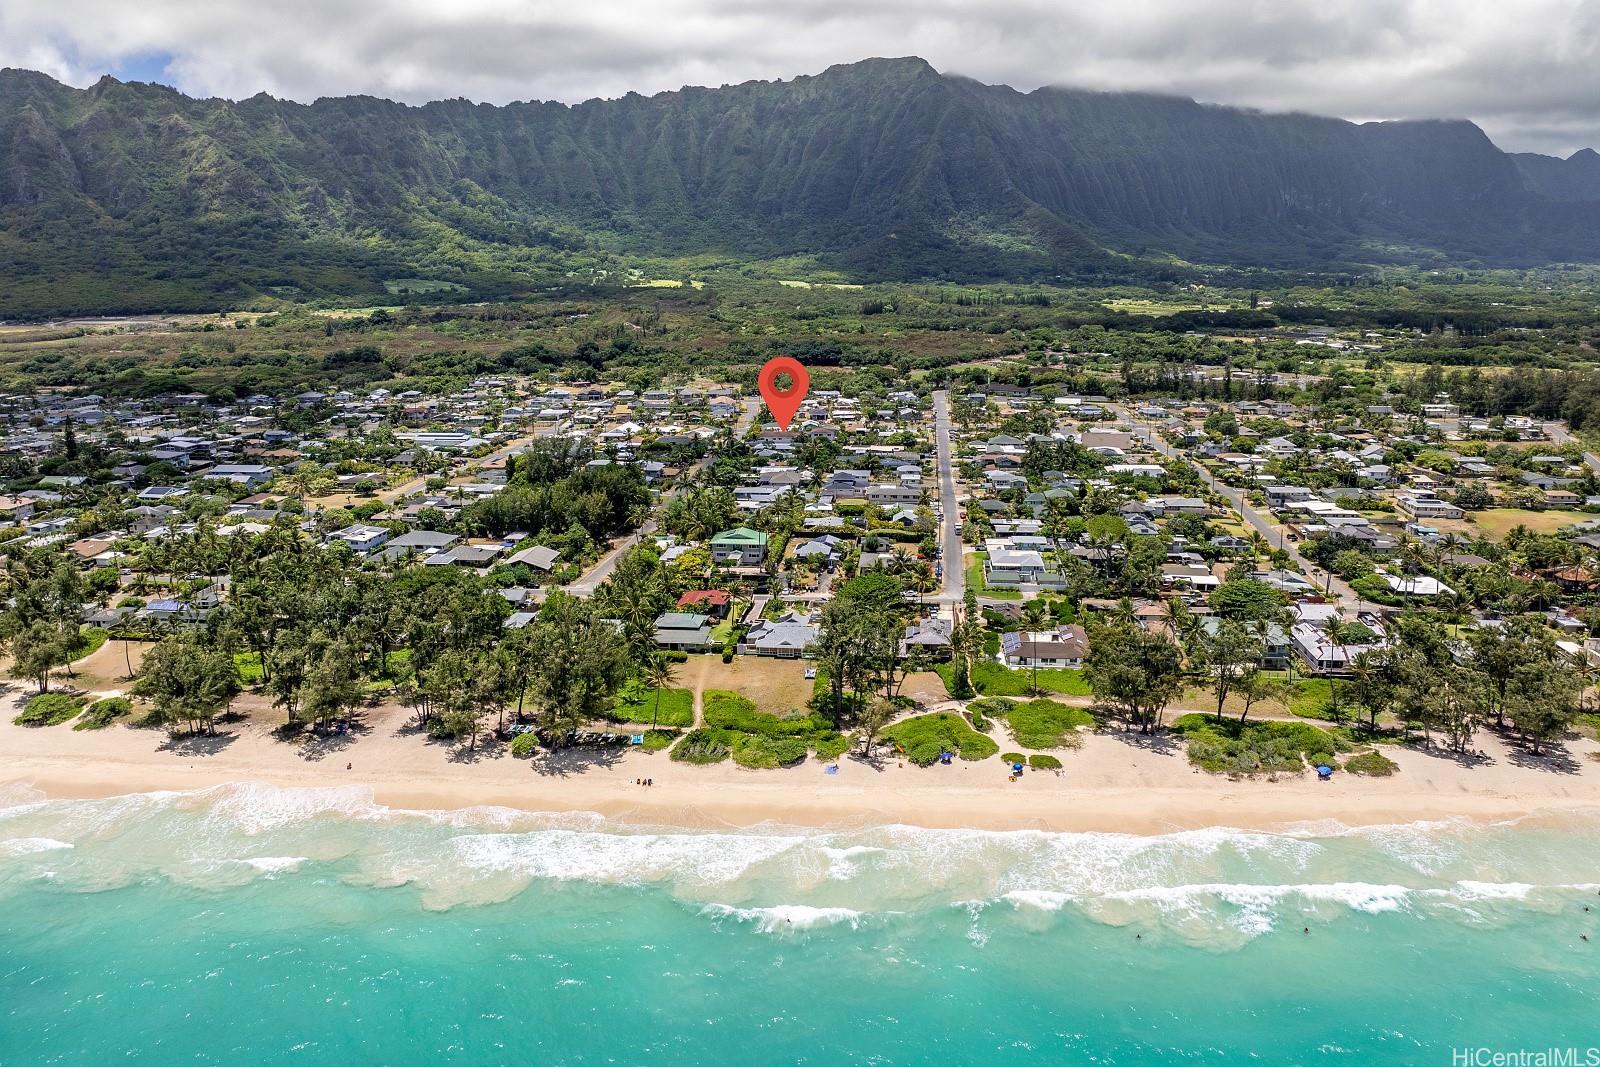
1496, 522
1311, 698
638, 703
976, 584
248, 664
997, 680
93, 637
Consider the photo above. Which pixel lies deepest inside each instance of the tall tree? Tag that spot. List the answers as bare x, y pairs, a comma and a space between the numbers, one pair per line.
1133, 672
188, 679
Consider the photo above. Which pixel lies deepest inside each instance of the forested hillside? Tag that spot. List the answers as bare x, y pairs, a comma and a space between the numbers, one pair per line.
135, 197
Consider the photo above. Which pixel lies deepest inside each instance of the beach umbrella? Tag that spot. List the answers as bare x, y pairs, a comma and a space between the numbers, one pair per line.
1017, 767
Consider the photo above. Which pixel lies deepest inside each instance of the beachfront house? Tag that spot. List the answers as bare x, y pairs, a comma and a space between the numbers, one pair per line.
684, 631
1065, 646
788, 638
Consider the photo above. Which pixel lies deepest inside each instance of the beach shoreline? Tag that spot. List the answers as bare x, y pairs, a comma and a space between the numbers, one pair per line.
1113, 783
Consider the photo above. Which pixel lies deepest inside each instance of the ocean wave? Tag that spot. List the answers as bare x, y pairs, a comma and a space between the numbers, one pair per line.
779, 918
1241, 881
27, 846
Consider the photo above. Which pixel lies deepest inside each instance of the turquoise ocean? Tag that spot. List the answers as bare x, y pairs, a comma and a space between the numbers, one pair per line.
254, 925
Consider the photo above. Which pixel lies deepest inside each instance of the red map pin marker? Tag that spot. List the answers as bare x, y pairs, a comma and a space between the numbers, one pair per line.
783, 403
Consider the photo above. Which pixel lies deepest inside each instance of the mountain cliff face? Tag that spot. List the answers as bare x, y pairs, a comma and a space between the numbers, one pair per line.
124, 196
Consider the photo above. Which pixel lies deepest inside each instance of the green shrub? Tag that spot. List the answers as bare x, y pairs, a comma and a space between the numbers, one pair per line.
704, 746
923, 737
1371, 764
830, 745
101, 712
1229, 747
677, 655
523, 745
1044, 763
656, 740
1047, 724
48, 709
753, 750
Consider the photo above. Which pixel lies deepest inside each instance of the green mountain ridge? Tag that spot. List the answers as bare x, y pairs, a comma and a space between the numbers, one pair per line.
130, 196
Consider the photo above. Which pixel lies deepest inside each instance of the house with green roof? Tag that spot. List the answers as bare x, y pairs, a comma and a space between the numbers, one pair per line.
739, 547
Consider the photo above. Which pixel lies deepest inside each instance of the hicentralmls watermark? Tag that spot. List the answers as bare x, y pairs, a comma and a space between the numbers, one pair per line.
1525, 1057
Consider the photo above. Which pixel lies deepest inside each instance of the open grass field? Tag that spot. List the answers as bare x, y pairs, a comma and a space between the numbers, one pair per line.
1497, 522
778, 686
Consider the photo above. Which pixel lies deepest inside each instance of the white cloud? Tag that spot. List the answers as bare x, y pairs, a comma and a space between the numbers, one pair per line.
1526, 71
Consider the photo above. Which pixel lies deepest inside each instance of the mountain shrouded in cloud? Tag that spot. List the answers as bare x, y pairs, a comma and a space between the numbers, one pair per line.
881, 169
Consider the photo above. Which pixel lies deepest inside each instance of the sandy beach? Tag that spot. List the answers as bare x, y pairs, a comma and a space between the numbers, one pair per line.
1113, 783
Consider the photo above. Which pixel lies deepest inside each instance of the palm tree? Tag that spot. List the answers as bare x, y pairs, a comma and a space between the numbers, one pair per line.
658, 672
1034, 615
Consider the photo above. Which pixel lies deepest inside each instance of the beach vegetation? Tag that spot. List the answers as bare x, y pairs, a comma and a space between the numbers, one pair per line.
656, 740
704, 745
523, 746
923, 737
49, 709
1228, 746
102, 713
1372, 764
1045, 723
1013, 758
1041, 762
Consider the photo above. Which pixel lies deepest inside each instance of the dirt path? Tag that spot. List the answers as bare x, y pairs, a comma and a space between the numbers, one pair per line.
703, 669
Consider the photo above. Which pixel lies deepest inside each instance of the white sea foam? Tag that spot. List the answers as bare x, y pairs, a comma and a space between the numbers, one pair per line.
24, 846
1216, 879
782, 917
270, 865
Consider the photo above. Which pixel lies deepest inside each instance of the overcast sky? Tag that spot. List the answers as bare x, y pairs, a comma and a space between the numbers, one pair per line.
1525, 70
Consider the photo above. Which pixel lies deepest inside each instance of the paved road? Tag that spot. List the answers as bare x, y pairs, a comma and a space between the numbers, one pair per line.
1349, 600
1560, 435
586, 585
955, 576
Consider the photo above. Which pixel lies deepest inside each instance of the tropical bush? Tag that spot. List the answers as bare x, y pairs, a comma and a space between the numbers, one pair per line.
1371, 764
830, 745
100, 714
1044, 763
754, 750
1047, 724
1229, 747
1013, 757
49, 709
704, 746
523, 746
922, 738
